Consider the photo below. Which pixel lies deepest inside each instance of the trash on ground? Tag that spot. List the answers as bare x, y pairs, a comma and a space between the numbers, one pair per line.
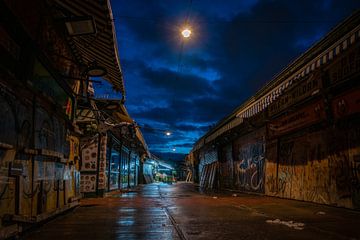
290, 224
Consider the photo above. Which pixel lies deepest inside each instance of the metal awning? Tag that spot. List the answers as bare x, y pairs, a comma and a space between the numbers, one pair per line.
113, 110
100, 47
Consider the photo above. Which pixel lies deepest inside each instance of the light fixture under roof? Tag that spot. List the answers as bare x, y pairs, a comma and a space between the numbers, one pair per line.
80, 25
94, 70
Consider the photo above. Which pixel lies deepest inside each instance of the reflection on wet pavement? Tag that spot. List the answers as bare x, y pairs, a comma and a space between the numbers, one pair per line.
179, 211
137, 214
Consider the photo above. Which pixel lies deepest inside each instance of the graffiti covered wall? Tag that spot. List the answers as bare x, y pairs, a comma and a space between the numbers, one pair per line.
321, 167
249, 162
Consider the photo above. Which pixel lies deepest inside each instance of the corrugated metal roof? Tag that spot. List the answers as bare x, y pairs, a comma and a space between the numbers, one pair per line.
113, 110
101, 47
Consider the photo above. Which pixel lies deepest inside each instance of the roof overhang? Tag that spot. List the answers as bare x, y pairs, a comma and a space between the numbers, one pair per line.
100, 47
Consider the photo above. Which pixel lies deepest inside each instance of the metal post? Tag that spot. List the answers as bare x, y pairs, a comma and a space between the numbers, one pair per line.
109, 160
128, 172
98, 163
120, 165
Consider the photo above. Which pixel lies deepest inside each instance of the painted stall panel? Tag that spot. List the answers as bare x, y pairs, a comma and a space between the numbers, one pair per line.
60, 184
89, 164
7, 184
25, 187
47, 175
249, 164
319, 166
7, 155
291, 168
226, 167
89, 156
102, 164
73, 179
272, 184
354, 159
343, 157
87, 183
317, 182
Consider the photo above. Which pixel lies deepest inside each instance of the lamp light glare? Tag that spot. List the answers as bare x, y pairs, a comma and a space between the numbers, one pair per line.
186, 33
167, 133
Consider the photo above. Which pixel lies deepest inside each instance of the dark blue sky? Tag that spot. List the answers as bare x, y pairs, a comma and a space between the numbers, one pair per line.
236, 47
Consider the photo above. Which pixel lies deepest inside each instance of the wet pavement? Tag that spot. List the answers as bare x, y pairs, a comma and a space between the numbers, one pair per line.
179, 211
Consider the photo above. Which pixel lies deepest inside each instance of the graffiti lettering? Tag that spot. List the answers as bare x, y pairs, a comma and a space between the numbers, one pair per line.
249, 171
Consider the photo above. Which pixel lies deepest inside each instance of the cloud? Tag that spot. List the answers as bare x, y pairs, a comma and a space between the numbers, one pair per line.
237, 47
182, 84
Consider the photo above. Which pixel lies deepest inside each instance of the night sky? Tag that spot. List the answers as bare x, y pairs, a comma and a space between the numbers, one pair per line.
235, 47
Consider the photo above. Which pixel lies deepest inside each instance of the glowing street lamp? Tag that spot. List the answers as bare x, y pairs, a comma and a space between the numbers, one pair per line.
167, 133
174, 149
186, 33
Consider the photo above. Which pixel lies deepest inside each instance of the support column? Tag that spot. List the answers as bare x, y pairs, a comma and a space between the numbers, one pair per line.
128, 172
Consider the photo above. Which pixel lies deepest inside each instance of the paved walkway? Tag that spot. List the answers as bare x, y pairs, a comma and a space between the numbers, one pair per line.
179, 211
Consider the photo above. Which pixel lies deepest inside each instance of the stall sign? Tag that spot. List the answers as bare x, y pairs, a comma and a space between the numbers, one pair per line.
301, 91
305, 116
348, 103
